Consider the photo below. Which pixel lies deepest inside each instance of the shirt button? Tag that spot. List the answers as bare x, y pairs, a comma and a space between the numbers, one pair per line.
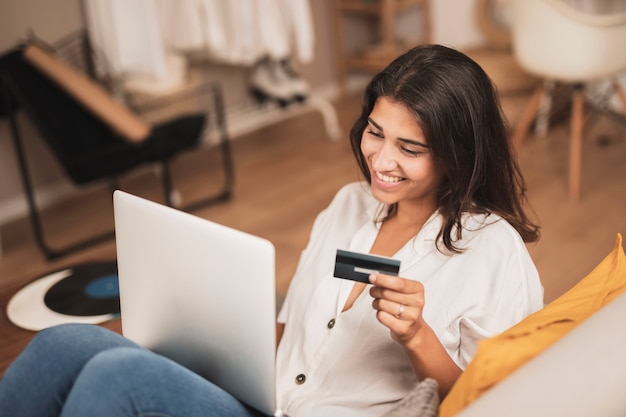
300, 379
331, 324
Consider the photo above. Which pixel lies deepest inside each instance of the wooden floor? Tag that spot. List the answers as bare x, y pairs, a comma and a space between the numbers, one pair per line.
286, 173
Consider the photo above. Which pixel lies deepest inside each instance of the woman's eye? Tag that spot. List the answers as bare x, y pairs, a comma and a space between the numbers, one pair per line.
411, 152
373, 133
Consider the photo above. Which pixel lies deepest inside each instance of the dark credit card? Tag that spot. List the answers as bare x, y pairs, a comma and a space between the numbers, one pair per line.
359, 266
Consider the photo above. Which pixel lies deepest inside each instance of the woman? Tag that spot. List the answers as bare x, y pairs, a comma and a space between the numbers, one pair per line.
443, 194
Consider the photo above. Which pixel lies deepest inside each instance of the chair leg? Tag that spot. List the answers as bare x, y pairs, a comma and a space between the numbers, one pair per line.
576, 142
621, 95
227, 157
49, 252
545, 106
35, 219
166, 180
527, 117
225, 149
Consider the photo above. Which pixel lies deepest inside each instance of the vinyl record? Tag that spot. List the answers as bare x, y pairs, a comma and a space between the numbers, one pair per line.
91, 290
90, 295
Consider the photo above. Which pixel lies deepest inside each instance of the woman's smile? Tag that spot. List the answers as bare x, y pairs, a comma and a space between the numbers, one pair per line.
388, 179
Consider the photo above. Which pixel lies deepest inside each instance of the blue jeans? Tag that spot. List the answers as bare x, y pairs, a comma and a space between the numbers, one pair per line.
87, 370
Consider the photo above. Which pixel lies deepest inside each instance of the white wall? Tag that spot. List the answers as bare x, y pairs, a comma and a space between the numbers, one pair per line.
453, 23
48, 19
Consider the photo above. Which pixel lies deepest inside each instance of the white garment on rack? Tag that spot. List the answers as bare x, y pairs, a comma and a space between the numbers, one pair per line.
273, 29
127, 35
239, 32
136, 37
301, 20
182, 23
230, 31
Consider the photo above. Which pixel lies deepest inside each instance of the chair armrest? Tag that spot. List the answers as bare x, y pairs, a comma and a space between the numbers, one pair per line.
90, 94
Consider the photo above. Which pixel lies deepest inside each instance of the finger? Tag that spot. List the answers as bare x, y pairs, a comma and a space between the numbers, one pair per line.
395, 309
395, 297
414, 299
395, 283
401, 309
400, 330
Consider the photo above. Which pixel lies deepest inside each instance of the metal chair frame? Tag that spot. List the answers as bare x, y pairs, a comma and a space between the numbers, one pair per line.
12, 100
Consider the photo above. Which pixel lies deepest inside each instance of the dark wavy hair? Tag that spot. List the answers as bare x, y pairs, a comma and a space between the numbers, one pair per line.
457, 107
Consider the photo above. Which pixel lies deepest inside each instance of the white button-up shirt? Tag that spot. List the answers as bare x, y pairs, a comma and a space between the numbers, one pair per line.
334, 363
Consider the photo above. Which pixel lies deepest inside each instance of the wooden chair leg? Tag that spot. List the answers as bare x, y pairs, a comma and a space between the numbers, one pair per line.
527, 117
542, 123
576, 143
621, 95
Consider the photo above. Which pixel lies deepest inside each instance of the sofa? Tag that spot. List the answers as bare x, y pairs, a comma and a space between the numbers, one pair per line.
568, 359
583, 374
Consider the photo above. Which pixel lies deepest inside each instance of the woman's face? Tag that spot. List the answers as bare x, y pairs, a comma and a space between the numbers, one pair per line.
401, 165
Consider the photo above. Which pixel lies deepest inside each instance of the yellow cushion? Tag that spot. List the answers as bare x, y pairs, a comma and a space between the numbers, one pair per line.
499, 356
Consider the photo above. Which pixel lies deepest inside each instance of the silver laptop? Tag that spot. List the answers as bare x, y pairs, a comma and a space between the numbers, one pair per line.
200, 293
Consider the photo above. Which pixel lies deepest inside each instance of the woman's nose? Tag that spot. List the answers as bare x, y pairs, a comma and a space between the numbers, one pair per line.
384, 159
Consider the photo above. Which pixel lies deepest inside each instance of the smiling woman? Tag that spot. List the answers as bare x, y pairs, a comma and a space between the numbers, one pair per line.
439, 103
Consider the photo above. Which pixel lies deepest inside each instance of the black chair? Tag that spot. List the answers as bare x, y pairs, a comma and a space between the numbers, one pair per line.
89, 149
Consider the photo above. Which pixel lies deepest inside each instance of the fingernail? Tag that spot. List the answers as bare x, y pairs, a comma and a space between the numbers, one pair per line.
372, 278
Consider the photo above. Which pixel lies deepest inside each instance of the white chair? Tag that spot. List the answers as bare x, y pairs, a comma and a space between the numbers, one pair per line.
557, 42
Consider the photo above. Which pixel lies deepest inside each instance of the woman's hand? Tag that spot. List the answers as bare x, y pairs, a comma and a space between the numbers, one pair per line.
399, 303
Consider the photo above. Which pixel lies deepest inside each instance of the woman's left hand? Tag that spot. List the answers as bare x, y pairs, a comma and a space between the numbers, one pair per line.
398, 303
